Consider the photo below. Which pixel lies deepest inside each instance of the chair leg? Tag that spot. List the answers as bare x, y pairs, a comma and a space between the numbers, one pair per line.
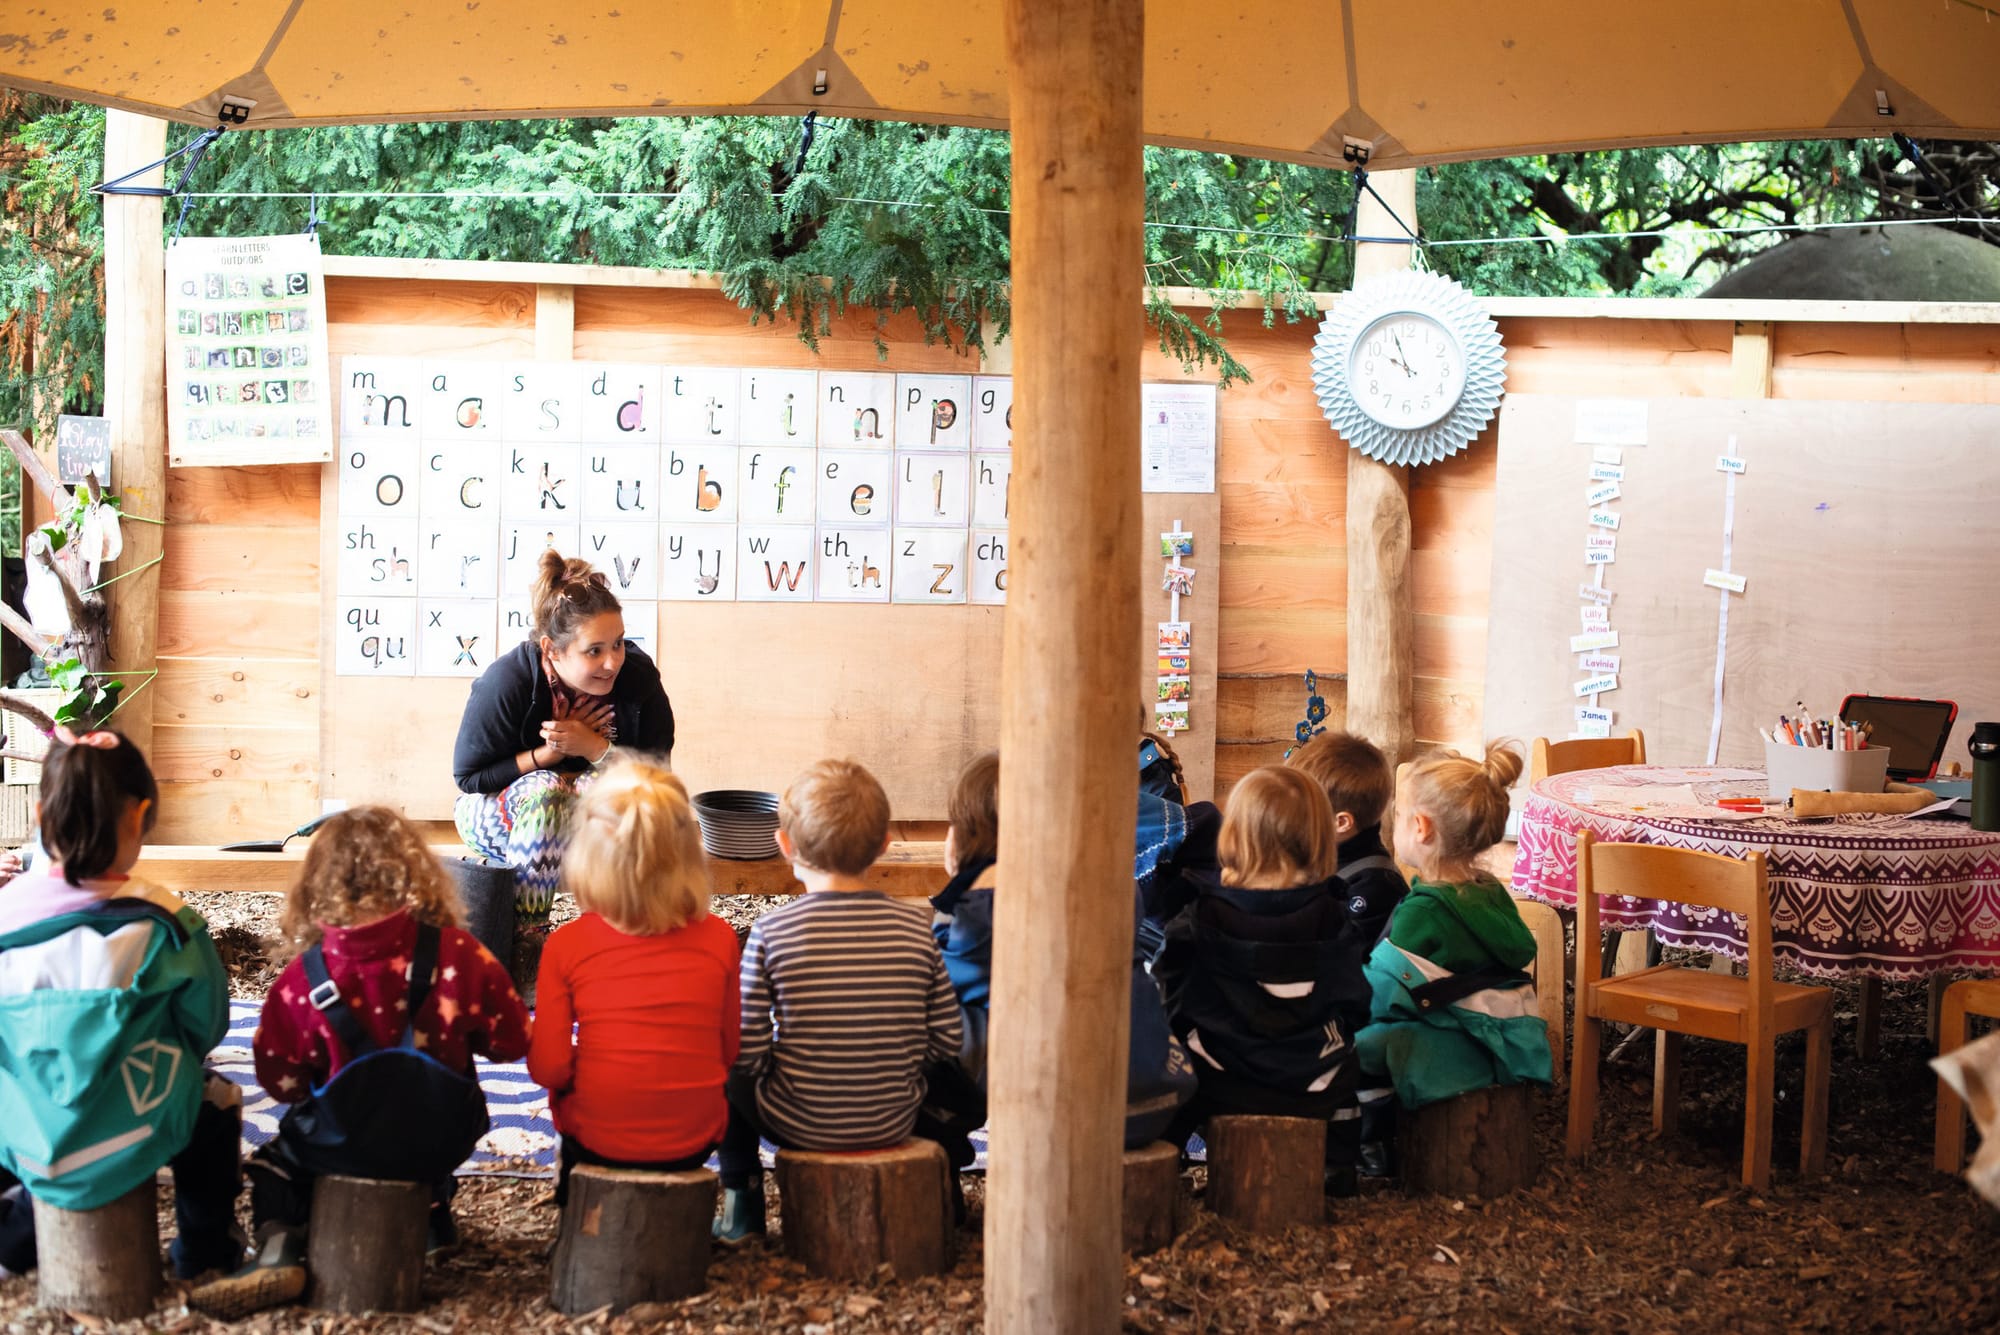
1948, 1155
1812, 1124
1759, 1095
1666, 1081
1868, 1020
1549, 976
1584, 1044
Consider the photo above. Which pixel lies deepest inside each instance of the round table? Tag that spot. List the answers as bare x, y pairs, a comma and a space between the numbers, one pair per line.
1851, 896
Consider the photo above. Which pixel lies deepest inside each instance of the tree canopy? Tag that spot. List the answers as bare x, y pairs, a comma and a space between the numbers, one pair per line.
801, 223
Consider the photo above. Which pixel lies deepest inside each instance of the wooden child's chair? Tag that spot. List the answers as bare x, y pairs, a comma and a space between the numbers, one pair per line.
1968, 997
1675, 1001
1549, 757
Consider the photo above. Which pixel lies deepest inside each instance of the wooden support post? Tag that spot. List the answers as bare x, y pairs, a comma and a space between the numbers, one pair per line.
555, 322
632, 1237
1750, 360
847, 1214
365, 1247
1152, 1196
1267, 1173
1068, 787
1381, 615
135, 402
103, 1262
1478, 1144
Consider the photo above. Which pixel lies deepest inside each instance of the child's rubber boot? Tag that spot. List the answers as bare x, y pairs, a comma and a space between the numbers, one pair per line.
742, 1215
277, 1276
441, 1238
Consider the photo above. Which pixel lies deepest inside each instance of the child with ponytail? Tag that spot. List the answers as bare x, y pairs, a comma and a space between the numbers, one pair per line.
103, 974
646, 978
1453, 1007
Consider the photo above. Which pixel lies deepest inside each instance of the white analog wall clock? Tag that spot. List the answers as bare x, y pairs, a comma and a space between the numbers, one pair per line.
1408, 368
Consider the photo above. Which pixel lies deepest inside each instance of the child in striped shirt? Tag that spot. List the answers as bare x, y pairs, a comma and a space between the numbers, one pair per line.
851, 982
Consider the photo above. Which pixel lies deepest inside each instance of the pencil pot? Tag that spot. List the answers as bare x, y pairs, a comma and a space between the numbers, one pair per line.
1985, 748
1818, 770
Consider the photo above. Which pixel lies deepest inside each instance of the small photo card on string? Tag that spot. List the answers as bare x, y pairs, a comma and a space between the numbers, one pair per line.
1176, 637
1175, 688
1176, 543
1170, 716
1178, 579
1174, 663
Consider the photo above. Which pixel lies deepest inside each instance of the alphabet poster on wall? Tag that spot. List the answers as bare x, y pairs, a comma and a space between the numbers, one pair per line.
681, 484
246, 351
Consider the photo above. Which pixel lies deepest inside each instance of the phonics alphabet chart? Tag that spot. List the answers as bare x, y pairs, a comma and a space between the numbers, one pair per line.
694, 484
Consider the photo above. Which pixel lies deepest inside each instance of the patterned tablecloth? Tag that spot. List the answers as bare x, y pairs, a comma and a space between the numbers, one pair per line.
1869, 896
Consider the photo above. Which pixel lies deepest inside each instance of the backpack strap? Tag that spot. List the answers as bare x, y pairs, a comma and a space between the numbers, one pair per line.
1373, 862
1454, 988
324, 994
423, 974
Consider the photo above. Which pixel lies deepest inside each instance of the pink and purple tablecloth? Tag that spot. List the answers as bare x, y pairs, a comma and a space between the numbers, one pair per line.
1858, 896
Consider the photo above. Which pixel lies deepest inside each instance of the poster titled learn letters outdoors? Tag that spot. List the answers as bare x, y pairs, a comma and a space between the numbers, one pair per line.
679, 483
246, 351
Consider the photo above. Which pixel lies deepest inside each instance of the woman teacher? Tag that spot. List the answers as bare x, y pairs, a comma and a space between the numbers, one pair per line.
541, 719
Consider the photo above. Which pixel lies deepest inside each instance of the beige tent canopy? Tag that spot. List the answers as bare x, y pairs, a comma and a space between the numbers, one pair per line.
1289, 79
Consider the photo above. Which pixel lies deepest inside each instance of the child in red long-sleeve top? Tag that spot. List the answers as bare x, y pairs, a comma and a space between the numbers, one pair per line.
382, 964
647, 978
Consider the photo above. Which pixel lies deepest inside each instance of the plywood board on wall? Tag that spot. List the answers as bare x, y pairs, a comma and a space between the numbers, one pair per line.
1861, 530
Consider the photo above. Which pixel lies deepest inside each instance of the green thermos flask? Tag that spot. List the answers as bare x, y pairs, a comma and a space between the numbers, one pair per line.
1985, 748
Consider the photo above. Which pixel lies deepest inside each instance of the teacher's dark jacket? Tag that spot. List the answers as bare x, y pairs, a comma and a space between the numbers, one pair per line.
511, 701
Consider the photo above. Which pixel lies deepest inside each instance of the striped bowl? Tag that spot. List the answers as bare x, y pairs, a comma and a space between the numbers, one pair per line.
738, 823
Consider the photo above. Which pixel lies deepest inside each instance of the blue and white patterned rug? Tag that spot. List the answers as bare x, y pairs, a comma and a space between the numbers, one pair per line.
522, 1142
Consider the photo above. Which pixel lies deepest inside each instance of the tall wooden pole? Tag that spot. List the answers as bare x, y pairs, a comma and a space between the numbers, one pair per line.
135, 403
1381, 617
1069, 776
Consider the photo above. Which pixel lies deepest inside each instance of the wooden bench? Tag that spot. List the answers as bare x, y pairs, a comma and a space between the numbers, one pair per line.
629, 1237
103, 1262
845, 1215
910, 869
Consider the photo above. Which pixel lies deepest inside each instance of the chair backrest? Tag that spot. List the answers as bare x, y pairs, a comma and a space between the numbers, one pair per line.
1591, 753
1673, 875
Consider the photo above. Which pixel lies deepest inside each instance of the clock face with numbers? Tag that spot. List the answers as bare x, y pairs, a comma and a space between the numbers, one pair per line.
1408, 368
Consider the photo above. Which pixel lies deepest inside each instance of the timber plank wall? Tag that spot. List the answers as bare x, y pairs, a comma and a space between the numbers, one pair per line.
240, 719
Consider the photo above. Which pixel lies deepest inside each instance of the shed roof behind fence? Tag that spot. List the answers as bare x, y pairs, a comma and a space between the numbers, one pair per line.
1416, 80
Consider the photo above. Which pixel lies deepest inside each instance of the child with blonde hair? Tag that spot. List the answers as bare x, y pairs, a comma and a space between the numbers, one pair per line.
1261, 1008
636, 1004
369, 1034
845, 998
1453, 1006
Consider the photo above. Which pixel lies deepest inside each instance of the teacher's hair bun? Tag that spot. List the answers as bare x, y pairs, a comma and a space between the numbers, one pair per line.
566, 592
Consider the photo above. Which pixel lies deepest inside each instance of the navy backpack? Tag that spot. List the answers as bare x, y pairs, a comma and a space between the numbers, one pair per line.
396, 1113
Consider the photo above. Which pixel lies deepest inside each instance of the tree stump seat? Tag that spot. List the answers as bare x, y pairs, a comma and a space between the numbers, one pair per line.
1152, 1196
103, 1262
846, 1214
365, 1247
1267, 1173
629, 1236
1478, 1144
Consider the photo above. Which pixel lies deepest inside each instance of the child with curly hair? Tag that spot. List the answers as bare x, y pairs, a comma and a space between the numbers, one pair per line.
383, 971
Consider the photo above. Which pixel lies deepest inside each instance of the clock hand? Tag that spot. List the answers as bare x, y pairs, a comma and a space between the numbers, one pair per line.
1400, 353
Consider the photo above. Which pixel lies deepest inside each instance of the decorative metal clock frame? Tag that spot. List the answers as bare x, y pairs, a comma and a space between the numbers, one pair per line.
1412, 427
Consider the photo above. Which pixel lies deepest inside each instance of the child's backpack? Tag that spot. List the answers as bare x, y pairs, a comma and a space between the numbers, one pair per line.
105, 1016
394, 1113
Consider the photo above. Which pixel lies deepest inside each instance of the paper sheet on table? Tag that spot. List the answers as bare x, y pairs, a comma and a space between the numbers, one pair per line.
1646, 795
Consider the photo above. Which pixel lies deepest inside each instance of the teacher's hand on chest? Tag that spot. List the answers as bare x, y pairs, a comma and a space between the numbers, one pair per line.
584, 732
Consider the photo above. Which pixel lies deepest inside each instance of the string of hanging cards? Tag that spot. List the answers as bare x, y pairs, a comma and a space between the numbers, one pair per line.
1175, 684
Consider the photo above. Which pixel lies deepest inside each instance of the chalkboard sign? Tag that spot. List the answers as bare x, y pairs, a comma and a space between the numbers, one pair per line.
83, 447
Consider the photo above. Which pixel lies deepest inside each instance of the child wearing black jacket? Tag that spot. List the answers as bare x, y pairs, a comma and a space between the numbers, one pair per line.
1358, 785
1274, 970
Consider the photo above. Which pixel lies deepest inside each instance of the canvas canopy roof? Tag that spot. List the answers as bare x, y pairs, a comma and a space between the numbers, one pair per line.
1418, 80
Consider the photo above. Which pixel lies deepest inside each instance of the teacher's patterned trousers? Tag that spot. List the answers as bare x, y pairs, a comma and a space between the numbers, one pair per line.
525, 825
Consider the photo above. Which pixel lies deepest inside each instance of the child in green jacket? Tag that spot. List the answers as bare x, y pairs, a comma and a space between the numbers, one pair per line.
1452, 1006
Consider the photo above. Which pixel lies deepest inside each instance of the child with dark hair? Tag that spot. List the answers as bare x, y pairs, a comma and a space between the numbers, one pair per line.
107, 971
385, 973
540, 720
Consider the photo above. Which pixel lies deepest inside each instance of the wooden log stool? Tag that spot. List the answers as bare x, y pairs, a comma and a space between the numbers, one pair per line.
1478, 1144
1152, 1196
1267, 1173
103, 1262
630, 1236
365, 1247
846, 1214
